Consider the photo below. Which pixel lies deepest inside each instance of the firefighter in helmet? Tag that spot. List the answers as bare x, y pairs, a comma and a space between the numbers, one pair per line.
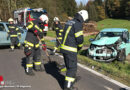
72, 42
32, 49
58, 29
13, 31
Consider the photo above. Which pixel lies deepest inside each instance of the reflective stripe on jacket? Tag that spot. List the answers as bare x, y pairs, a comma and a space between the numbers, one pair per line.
72, 36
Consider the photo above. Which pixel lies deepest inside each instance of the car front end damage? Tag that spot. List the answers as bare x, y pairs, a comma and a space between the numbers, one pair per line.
105, 53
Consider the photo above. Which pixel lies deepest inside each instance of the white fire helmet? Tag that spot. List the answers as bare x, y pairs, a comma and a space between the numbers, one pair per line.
84, 14
10, 20
44, 18
56, 19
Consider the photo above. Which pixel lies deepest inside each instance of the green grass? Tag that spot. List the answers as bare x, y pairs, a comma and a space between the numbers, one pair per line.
117, 70
51, 33
49, 43
113, 23
86, 39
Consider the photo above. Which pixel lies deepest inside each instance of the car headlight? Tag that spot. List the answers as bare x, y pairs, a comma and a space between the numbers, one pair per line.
92, 47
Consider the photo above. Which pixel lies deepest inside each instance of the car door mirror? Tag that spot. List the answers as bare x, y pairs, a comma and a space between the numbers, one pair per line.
91, 39
129, 40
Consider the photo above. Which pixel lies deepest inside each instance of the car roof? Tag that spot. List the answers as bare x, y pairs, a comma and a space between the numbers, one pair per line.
114, 30
4, 22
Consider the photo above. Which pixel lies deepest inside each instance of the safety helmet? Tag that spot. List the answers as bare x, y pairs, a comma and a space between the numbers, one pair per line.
84, 14
44, 18
56, 19
10, 20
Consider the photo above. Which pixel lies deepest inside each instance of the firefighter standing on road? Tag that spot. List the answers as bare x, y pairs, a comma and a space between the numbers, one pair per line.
59, 30
72, 42
32, 49
13, 31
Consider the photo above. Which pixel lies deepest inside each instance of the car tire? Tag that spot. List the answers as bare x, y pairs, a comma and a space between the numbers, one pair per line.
121, 55
87, 53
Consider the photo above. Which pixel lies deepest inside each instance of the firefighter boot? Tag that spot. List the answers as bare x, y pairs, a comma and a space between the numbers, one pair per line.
20, 46
11, 49
69, 86
39, 66
29, 71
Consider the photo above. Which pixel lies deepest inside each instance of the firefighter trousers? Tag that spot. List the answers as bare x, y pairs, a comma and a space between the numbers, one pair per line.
70, 60
14, 41
33, 56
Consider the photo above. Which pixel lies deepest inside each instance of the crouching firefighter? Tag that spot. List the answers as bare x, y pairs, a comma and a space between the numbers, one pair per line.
32, 49
13, 31
72, 42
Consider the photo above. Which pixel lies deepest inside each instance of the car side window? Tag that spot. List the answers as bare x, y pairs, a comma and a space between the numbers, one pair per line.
2, 28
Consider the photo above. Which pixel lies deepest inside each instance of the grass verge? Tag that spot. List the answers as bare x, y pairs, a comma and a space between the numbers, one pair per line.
113, 23
117, 70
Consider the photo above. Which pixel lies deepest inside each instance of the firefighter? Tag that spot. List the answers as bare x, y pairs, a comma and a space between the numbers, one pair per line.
13, 30
32, 49
59, 30
72, 42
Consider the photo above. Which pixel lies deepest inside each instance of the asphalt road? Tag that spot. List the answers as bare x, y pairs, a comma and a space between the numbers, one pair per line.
12, 69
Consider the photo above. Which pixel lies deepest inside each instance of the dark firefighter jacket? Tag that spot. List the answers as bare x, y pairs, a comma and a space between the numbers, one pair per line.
13, 30
72, 35
32, 36
59, 30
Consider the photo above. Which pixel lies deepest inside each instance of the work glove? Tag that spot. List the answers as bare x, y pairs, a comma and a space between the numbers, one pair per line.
37, 32
44, 47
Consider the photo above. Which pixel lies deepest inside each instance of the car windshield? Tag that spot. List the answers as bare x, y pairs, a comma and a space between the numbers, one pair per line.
108, 34
36, 15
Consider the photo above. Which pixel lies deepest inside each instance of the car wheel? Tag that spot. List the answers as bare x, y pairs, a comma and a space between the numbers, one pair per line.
121, 55
87, 53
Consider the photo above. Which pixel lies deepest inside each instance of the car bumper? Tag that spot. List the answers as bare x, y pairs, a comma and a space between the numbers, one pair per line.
102, 56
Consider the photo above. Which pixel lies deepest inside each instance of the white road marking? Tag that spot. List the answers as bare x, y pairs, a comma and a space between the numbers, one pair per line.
101, 75
108, 88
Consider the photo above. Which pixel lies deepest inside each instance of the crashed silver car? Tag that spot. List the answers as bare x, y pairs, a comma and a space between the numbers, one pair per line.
110, 44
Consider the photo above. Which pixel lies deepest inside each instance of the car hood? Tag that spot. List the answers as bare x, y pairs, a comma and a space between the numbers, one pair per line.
105, 41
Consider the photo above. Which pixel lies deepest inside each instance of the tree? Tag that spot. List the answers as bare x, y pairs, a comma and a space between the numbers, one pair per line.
90, 7
125, 8
113, 8
81, 6
100, 8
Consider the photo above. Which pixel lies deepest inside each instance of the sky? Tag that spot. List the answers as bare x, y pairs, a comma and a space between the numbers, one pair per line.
83, 1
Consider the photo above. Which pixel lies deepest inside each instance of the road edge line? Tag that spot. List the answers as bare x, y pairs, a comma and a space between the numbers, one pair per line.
101, 75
